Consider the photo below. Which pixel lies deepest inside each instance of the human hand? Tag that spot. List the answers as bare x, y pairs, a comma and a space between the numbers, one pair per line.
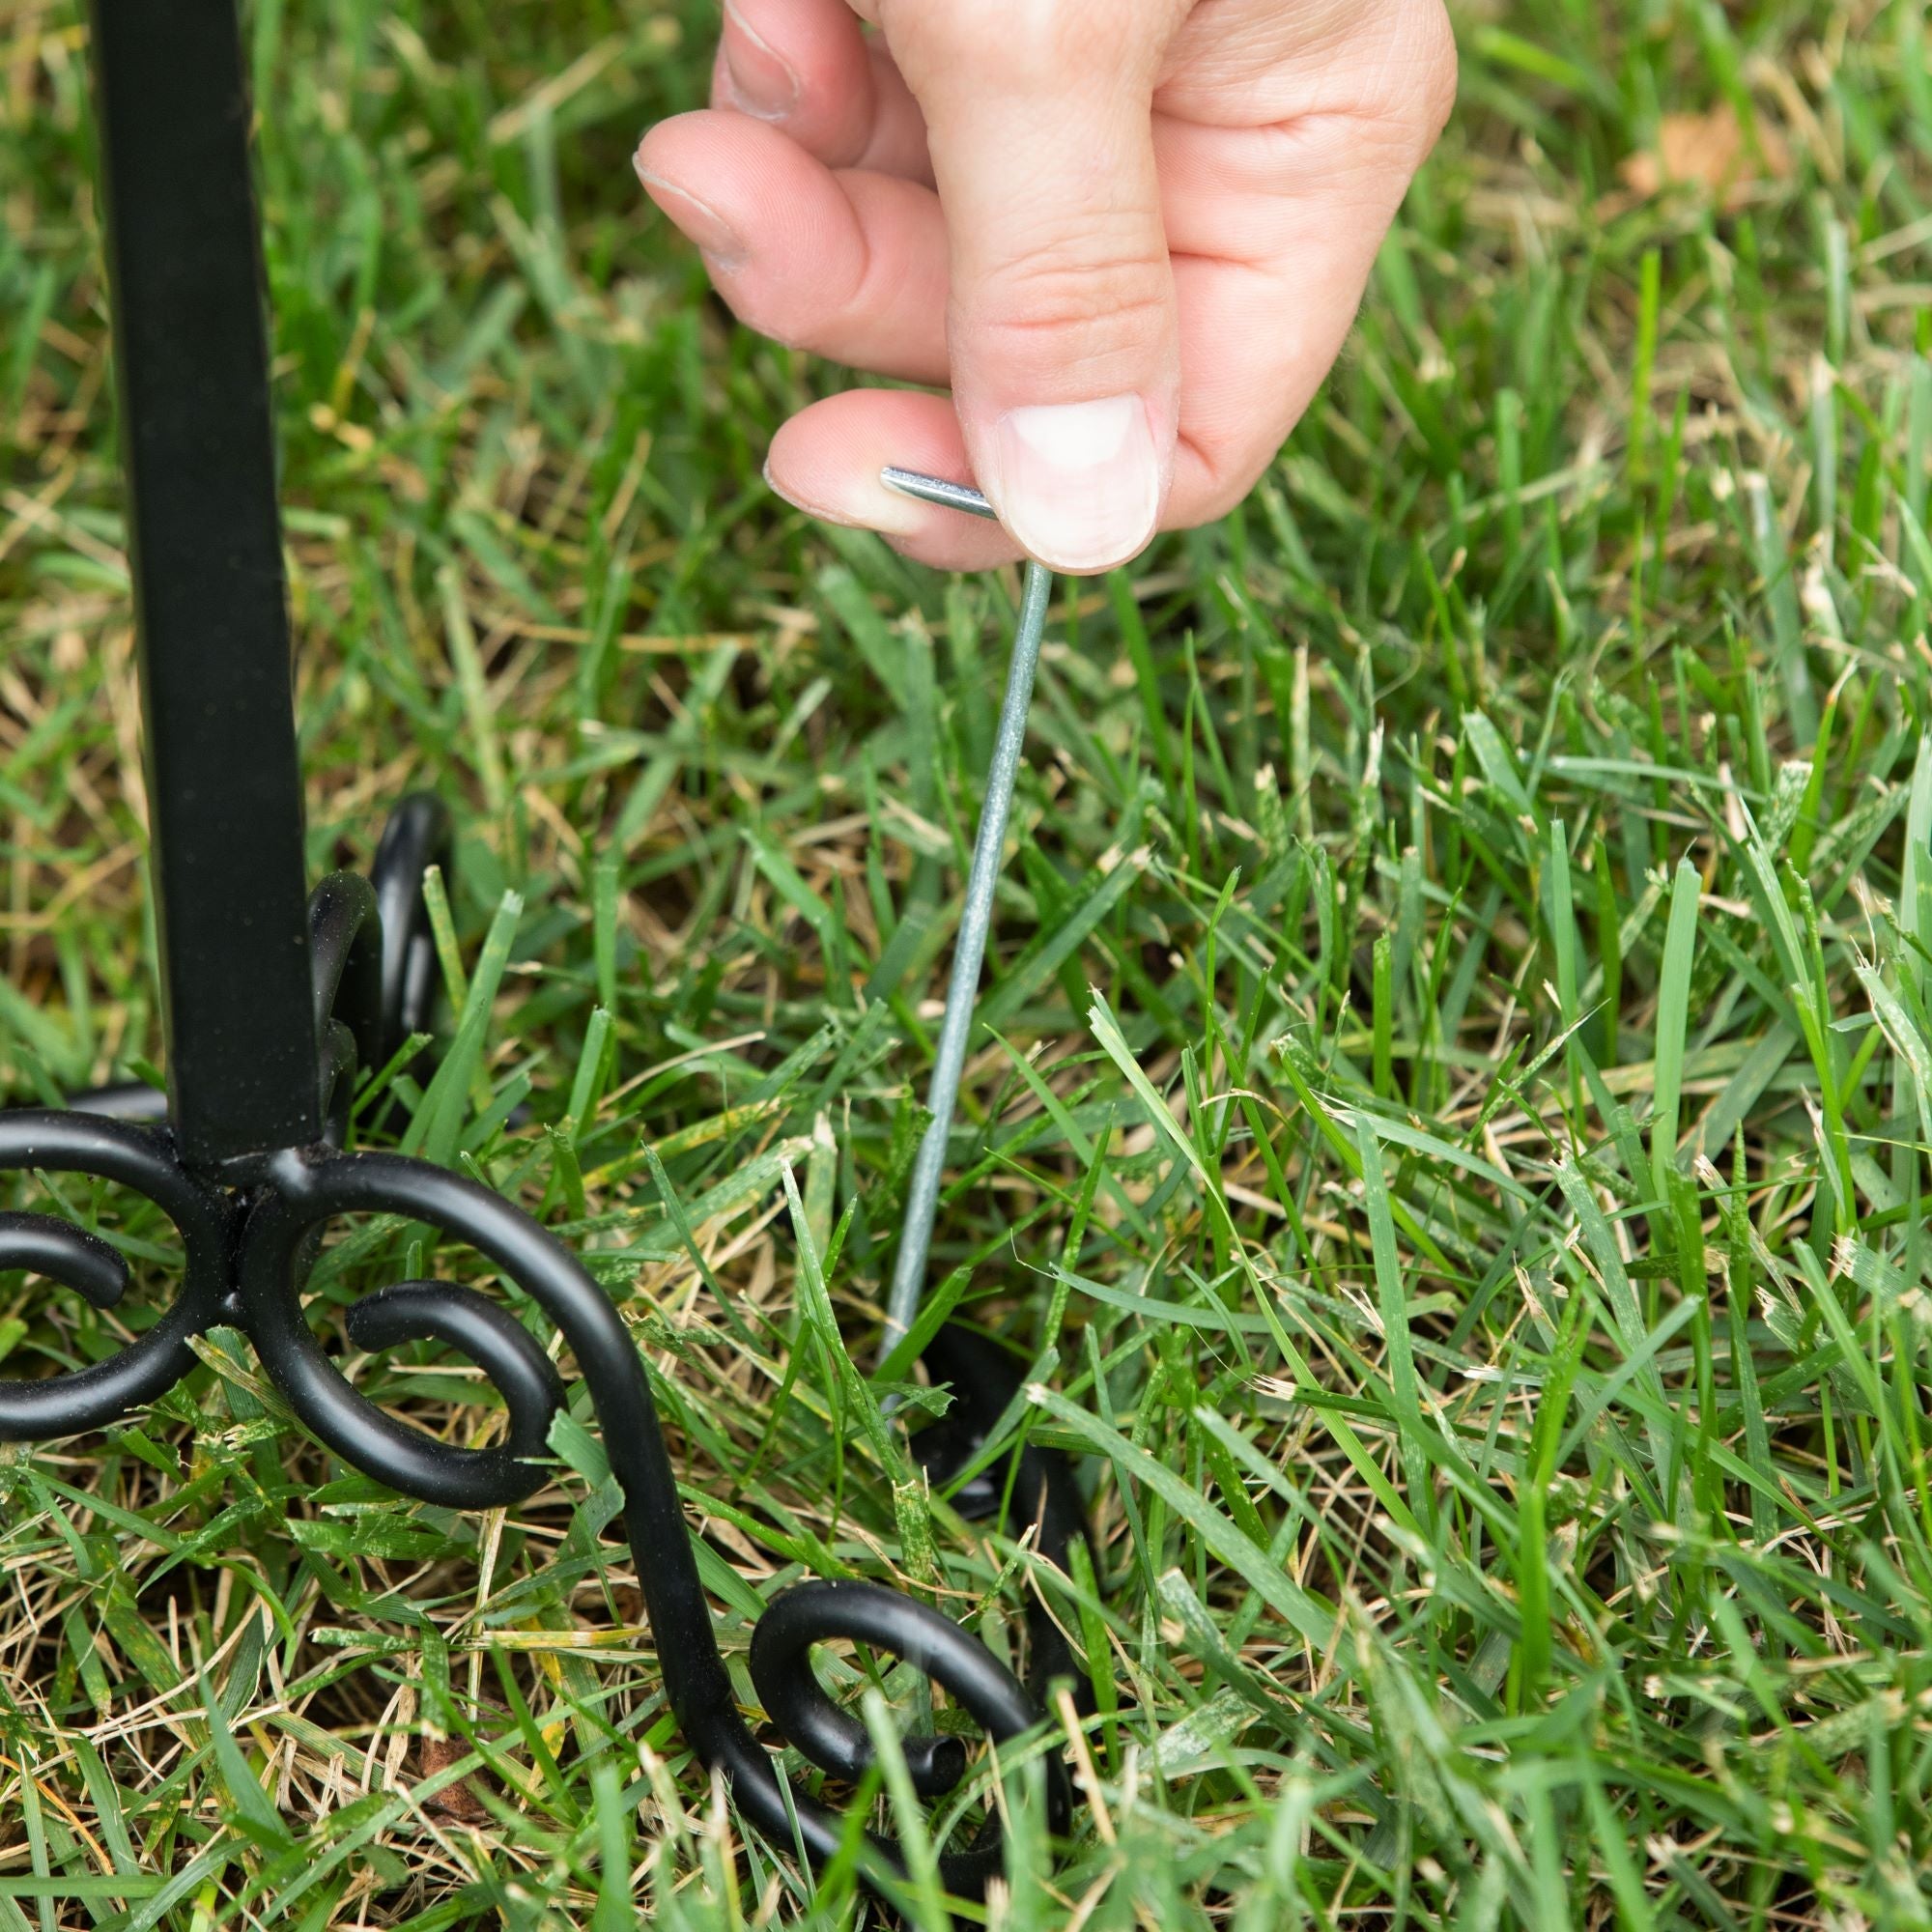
1131, 235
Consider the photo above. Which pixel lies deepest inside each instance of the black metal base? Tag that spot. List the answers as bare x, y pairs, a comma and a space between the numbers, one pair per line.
251, 1229
269, 1018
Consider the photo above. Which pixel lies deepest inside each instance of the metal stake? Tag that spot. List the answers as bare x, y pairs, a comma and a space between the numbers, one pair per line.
975, 919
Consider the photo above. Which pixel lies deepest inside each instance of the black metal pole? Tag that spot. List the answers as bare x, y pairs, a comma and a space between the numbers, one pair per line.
192, 354
269, 1017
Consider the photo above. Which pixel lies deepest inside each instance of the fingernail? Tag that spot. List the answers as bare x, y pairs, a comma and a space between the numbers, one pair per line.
718, 242
1078, 483
764, 82
857, 501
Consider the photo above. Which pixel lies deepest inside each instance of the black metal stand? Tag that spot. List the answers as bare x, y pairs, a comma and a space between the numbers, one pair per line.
274, 997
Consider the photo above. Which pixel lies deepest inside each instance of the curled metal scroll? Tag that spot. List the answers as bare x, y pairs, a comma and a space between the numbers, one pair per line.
140, 1158
248, 1252
306, 1189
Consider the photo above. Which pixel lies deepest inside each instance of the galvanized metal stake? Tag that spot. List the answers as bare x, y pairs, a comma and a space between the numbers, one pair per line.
975, 920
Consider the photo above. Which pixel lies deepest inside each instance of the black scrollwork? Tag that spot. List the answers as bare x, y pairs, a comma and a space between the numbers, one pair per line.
143, 1159
44, 1244
815, 1613
247, 1257
417, 837
308, 1187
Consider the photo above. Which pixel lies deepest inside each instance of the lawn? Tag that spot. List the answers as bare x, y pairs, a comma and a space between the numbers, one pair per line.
1446, 1146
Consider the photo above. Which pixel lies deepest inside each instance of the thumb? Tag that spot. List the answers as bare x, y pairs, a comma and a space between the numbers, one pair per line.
1062, 329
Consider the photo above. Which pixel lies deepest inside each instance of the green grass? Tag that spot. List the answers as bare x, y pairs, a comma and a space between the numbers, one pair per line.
1450, 1131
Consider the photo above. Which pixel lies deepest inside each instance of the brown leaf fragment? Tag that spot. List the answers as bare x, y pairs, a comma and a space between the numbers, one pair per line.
457, 1804
1710, 152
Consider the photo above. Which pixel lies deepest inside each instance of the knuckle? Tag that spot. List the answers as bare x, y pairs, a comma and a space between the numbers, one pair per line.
1385, 116
941, 39
814, 320
1125, 298
1226, 464
1415, 80
1436, 71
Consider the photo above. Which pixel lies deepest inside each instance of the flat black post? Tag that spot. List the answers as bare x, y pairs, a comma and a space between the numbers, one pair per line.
184, 265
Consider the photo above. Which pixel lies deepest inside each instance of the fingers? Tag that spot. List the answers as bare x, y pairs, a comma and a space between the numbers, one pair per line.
1241, 406
1250, 63
827, 460
848, 265
855, 266
1063, 330
1238, 409
1255, 343
1276, 236
808, 67
1103, 387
